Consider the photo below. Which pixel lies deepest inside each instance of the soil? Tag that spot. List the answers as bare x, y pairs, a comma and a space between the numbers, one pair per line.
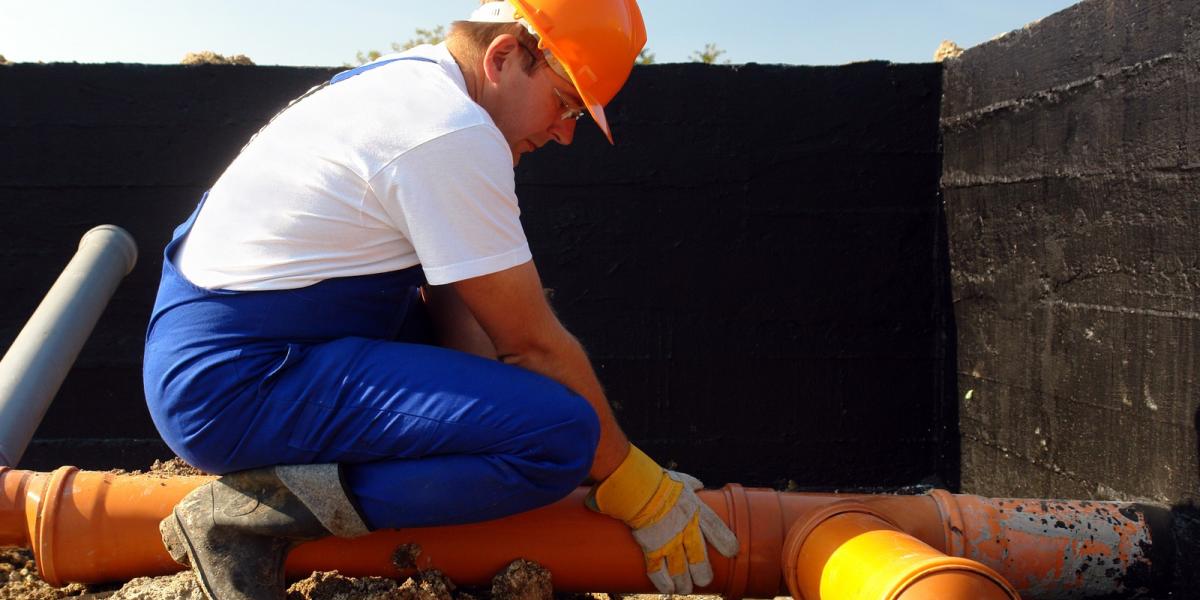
174, 467
19, 579
181, 586
329, 585
405, 556
521, 580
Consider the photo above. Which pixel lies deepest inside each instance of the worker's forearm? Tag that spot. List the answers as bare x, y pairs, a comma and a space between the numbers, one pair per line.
564, 360
465, 337
453, 324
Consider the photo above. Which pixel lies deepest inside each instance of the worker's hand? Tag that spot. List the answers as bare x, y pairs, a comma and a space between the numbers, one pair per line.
668, 520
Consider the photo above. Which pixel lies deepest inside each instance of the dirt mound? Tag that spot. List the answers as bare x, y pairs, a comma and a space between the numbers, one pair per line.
948, 50
180, 586
521, 580
209, 57
19, 579
174, 467
330, 585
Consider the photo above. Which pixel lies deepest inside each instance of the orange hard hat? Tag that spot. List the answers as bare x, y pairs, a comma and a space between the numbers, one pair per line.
594, 41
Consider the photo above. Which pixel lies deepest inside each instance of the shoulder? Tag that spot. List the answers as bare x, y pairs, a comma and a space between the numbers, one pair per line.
467, 154
420, 95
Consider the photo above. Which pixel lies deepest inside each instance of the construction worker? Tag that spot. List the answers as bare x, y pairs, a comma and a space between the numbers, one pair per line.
350, 328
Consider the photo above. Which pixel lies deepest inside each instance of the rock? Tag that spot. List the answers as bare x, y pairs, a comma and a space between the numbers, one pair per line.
523, 580
427, 585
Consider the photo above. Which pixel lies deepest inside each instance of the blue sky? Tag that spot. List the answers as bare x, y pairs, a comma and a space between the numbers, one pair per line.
312, 32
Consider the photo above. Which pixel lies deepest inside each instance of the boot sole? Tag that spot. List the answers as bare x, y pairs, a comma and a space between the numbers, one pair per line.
180, 543
173, 540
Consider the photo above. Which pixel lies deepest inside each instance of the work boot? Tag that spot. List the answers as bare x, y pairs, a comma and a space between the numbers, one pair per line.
236, 532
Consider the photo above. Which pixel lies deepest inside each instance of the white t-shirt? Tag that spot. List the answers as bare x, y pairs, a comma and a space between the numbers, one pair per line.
388, 169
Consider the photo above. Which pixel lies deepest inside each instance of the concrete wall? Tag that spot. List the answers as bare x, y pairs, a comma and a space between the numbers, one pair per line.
1072, 192
758, 267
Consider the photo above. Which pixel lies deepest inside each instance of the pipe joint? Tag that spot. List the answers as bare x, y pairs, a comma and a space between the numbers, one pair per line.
849, 551
738, 506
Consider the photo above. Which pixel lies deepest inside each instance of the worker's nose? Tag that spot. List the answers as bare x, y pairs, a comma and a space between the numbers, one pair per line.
563, 131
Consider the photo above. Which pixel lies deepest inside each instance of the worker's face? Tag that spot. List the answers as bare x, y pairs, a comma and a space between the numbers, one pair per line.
528, 107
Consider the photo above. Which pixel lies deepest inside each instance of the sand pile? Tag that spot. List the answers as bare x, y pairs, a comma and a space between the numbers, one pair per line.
208, 57
19, 579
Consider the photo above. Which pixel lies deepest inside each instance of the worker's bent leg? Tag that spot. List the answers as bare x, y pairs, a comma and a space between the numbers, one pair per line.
426, 435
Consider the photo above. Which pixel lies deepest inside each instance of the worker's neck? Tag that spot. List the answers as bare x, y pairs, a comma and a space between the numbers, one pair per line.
472, 72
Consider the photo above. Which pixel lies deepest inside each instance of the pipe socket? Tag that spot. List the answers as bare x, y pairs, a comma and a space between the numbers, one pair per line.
89, 526
38, 360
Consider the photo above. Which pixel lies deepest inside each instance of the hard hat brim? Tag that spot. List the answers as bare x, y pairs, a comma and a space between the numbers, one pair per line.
597, 112
594, 106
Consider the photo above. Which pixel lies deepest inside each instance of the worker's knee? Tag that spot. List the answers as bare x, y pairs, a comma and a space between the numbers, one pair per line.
215, 460
212, 457
560, 455
209, 462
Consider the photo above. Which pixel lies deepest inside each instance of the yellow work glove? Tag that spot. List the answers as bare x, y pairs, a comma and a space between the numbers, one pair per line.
669, 521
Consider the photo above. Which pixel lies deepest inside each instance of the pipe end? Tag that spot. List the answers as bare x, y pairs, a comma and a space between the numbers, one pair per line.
116, 236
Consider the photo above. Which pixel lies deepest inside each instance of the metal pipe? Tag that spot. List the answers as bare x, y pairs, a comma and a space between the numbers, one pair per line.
94, 527
38, 360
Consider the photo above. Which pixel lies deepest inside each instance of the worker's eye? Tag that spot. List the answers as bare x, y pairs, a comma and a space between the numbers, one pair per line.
570, 109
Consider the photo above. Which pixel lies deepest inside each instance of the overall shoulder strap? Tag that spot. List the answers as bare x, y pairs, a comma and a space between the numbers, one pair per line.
344, 75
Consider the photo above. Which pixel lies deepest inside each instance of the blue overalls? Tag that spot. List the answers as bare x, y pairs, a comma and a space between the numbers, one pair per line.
341, 372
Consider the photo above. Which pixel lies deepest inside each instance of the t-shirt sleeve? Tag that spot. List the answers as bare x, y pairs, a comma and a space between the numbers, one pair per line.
454, 198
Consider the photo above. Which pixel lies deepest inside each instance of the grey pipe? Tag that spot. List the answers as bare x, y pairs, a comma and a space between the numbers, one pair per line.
38, 360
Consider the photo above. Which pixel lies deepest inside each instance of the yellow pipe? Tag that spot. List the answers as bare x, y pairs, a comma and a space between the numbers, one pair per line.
846, 551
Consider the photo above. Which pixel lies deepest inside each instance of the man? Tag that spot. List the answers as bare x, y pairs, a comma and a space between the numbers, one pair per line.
287, 349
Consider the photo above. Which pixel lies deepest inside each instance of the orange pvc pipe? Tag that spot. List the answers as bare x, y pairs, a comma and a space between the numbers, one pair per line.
847, 551
94, 527
88, 526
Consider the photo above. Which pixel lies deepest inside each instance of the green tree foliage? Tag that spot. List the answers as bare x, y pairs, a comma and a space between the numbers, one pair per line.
3, 61
423, 36
709, 55
645, 57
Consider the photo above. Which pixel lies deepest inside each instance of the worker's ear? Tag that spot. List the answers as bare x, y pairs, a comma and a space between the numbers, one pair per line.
505, 52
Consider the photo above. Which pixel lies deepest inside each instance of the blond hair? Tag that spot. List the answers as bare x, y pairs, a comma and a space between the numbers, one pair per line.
473, 39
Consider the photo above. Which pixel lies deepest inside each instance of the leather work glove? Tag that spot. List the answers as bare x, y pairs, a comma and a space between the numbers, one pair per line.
669, 521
